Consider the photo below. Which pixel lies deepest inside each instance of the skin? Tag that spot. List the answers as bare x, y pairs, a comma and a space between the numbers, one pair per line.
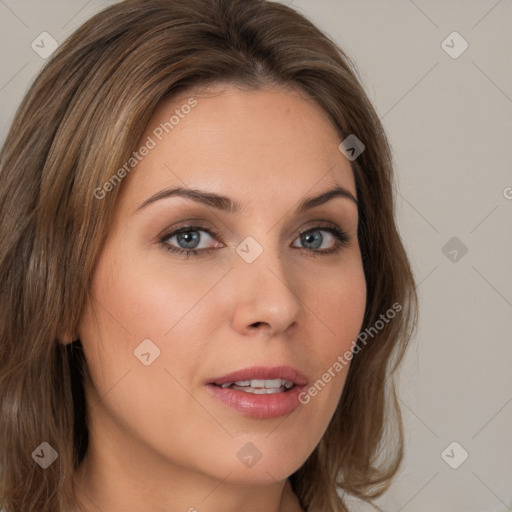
157, 439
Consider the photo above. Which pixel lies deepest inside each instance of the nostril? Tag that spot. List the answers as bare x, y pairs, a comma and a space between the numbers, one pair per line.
259, 327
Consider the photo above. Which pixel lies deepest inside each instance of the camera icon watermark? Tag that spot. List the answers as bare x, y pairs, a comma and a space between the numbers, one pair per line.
249, 455
454, 45
454, 250
249, 249
44, 45
352, 147
45, 455
146, 352
454, 455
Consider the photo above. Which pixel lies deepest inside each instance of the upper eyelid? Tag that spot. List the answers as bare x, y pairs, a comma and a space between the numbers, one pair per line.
214, 233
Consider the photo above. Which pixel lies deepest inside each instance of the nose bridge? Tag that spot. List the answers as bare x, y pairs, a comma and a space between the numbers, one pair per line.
267, 292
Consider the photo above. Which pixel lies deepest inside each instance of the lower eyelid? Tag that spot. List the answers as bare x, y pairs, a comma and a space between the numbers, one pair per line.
341, 237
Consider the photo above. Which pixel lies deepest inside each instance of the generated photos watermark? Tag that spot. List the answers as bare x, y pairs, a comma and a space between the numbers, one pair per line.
343, 360
151, 142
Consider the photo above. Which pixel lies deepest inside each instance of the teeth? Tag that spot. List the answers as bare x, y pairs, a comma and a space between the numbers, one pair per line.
260, 386
259, 391
276, 383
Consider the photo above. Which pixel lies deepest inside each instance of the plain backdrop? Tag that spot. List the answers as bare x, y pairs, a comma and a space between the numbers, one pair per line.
440, 76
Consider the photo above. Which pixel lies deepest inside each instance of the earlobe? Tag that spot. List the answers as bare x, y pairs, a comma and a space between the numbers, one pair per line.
66, 338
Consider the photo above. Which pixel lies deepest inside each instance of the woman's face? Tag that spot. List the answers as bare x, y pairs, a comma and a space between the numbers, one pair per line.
265, 286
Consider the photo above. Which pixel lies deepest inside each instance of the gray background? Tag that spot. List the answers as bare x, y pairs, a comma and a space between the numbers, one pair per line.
449, 121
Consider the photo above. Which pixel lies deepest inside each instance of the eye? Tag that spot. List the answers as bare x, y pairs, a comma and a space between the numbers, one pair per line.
313, 239
188, 240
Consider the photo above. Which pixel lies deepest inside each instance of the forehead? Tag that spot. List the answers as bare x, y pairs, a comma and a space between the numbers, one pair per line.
271, 142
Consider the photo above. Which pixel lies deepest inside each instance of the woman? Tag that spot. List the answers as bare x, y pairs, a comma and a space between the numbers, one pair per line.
205, 296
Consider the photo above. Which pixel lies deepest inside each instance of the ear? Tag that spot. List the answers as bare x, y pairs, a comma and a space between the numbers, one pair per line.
66, 338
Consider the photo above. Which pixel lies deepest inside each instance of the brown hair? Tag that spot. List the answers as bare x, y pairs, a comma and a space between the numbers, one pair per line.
79, 122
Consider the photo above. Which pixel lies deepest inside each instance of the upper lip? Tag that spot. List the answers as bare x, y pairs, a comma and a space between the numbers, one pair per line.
263, 372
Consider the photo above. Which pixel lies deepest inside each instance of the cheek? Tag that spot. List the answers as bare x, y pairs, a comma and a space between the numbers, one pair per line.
345, 312
136, 299
339, 306
131, 303
339, 302
141, 297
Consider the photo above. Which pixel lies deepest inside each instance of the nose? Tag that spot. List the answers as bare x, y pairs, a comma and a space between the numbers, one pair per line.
266, 297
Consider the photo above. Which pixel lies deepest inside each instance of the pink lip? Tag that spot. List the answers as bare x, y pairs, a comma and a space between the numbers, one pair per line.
260, 406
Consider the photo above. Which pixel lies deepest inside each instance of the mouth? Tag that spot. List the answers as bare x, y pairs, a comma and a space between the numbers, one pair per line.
259, 386
261, 378
260, 391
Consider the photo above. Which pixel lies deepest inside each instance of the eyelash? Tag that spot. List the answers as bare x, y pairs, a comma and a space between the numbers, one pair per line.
341, 237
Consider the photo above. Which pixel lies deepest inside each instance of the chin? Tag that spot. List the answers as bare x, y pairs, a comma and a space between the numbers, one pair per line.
264, 475
244, 471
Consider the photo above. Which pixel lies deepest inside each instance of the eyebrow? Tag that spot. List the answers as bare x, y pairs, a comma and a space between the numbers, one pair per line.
231, 206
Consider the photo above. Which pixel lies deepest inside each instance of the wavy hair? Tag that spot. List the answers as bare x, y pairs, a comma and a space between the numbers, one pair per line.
79, 121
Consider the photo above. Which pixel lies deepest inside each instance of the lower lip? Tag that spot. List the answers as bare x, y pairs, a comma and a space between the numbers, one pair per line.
259, 406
